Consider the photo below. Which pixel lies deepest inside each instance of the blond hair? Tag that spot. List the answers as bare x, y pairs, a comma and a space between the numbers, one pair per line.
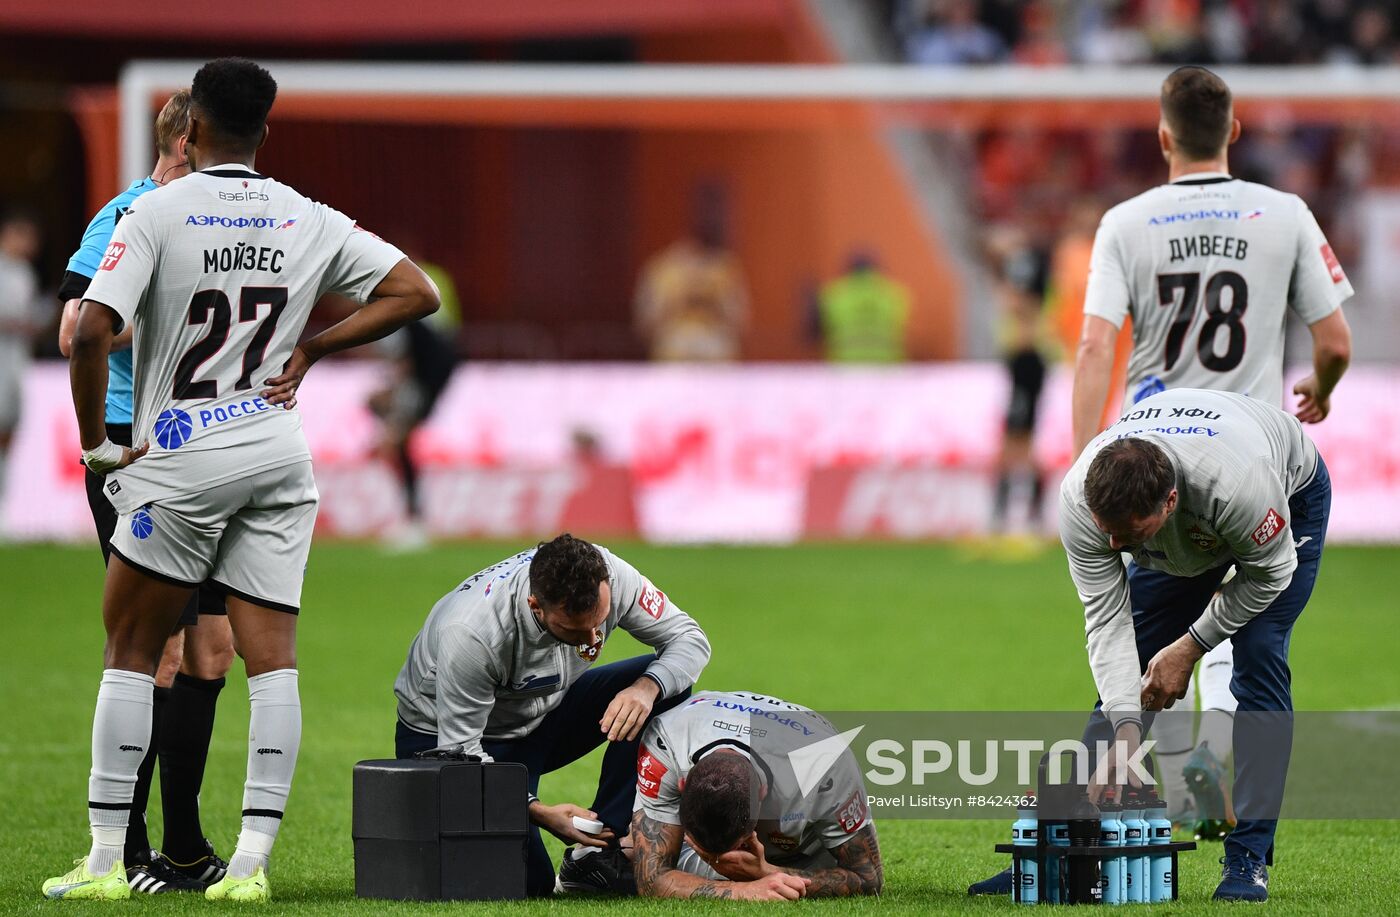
173, 122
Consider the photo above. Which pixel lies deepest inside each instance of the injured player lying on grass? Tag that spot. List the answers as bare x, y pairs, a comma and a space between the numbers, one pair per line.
723, 813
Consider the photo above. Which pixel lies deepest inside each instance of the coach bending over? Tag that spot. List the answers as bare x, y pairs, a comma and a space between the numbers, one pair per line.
1231, 481
503, 666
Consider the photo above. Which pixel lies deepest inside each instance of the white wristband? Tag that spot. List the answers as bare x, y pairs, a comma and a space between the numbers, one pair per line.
104, 458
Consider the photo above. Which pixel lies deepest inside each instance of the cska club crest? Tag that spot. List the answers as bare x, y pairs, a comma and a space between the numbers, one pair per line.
1202, 539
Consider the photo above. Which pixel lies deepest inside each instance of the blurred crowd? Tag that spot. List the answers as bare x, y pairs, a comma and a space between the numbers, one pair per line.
1042, 32
1039, 193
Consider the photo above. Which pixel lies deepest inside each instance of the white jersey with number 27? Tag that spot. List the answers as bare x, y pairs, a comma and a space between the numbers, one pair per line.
1208, 267
217, 273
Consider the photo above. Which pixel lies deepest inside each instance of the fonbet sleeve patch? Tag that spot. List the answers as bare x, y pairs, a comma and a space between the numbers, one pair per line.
853, 812
1334, 267
1268, 529
650, 770
652, 601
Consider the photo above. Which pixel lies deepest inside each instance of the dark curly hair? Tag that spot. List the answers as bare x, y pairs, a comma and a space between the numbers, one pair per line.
233, 96
719, 803
567, 572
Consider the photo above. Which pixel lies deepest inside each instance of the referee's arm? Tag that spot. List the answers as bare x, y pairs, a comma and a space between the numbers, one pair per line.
68, 324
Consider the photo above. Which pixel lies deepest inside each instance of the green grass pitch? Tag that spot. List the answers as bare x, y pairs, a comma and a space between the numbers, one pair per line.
835, 627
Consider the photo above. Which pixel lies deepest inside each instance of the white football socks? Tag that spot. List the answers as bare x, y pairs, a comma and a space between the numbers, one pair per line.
1173, 732
1217, 702
121, 730
274, 736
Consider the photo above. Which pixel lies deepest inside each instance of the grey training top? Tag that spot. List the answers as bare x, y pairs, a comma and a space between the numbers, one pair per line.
483, 667
1238, 461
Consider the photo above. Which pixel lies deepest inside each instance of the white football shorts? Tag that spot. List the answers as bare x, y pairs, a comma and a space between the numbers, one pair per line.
250, 537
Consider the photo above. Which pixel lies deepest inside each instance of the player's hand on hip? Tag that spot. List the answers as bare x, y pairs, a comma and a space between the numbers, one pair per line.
628, 712
1169, 672
744, 863
130, 455
778, 886
282, 389
559, 821
110, 457
1313, 406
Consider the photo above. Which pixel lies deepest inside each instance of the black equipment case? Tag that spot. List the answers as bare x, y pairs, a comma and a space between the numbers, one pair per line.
440, 829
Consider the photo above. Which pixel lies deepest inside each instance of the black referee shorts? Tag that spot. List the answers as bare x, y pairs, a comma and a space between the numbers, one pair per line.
1027, 369
206, 599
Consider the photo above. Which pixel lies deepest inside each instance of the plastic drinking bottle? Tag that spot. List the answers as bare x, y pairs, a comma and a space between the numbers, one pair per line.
1111, 876
1025, 832
1159, 828
1134, 848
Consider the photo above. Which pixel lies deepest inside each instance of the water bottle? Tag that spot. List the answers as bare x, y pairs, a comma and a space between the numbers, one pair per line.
1111, 877
1135, 849
1058, 832
1160, 830
1025, 832
1082, 881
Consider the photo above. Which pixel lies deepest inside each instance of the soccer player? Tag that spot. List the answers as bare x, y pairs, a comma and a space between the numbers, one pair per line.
1208, 267
1021, 287
504, 667
420, 361
1191, 482
722, 812
198, 655
216, 274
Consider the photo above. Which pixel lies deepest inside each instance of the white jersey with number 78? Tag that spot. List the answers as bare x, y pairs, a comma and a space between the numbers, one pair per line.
1208, 267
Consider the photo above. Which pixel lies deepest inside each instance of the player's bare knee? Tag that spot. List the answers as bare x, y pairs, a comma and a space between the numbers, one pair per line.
209, 649
210, 663
268, 662
133, 645
267, 653
266, 639
171, 658
131, 657
166, 671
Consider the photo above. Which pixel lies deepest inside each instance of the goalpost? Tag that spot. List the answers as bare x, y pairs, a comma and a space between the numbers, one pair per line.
966, 94
730, 453
867, 177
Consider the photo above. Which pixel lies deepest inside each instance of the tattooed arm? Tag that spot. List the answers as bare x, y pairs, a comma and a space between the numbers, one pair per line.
656, 846
858, 870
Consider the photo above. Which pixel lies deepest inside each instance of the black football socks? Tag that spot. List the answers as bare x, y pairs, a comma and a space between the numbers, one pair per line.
184, 750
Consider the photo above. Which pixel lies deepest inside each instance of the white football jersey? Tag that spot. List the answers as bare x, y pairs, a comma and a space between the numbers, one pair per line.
217, 273
1208, 267
795, 821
